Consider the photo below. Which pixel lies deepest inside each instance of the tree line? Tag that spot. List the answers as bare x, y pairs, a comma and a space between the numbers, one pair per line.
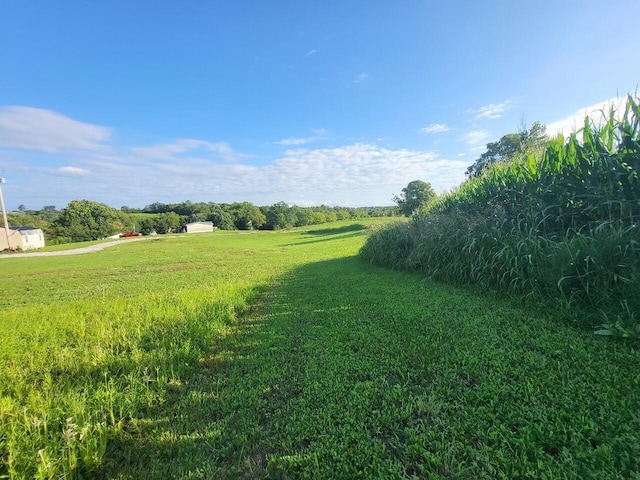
84, 220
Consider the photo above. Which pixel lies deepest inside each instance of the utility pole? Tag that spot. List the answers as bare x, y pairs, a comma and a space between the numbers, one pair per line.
4, 216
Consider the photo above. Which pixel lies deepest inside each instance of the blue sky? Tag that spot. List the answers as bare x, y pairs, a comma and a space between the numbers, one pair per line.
315, 102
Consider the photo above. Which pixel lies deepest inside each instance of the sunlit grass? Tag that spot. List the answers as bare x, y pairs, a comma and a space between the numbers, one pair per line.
91, 340
284, 355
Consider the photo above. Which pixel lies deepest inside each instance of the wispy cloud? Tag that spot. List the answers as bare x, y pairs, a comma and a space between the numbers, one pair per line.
311, 52
294, 141
475, 137
169, 151
361, 78
69, 170
351, 175
320, 134
476, 150
598, 113
436, 128
492, 111
37, 129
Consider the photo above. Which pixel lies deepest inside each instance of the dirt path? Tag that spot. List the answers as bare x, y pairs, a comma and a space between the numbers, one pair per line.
75, 251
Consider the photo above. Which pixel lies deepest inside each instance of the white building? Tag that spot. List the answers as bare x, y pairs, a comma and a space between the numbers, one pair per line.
197, 227
22, 238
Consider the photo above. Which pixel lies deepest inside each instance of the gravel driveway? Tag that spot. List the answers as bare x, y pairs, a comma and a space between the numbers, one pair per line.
75, 251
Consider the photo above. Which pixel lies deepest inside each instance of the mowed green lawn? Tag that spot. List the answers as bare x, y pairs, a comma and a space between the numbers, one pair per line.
284, 355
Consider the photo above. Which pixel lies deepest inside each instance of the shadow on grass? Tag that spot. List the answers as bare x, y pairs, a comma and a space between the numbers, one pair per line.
347, 370
218, 421
336, 230
326, 238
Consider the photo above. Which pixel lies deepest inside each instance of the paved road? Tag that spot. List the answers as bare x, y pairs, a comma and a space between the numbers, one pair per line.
75, 251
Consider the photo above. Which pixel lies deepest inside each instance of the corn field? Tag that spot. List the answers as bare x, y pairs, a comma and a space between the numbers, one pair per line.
560, 226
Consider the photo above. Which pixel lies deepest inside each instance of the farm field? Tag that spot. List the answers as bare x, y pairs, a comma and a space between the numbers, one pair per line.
286, 355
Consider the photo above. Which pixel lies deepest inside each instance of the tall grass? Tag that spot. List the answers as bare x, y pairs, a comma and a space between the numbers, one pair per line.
561, 226
84, 370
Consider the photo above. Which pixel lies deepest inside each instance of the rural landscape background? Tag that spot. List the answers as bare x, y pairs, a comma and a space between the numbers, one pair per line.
423, 256
503, 343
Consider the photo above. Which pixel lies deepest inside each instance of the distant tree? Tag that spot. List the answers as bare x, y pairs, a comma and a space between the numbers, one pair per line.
156, 207
279, 216
125, 209
168, 222
331, 216
22, 208
84, 220
48, 214
198, 217
342, 214
147, 225
300, 216
415, 195
247, 216
318, 217
221, 218
509, 146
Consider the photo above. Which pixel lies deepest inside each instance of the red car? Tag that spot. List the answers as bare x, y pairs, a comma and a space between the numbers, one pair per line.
130, 234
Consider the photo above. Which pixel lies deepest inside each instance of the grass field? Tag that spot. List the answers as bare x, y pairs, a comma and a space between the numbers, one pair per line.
285, 355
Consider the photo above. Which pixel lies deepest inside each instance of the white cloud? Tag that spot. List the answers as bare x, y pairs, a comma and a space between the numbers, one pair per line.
197, 170
359, 171
311, 52
597, 113
492, 111
475, 137
349, 175
170, 151
294, 141
361, 78
31, 128
319, 135
436, 128
73, 170
481, 148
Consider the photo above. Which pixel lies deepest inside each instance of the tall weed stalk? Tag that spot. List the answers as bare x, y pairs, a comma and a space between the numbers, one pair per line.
559, 226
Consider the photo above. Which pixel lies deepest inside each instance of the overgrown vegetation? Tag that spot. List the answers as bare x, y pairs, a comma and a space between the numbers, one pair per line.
284, 355
561, 226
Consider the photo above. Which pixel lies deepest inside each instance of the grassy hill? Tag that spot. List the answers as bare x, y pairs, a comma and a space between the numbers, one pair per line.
285, 355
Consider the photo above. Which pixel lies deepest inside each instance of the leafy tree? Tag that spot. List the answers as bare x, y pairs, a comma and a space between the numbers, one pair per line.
156, 207
509, 146
247, 216
30, 219
198, 217
301, 216
84, 220
168, 222
221, 218
342, 214
414, 196
279, 216
147, 225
